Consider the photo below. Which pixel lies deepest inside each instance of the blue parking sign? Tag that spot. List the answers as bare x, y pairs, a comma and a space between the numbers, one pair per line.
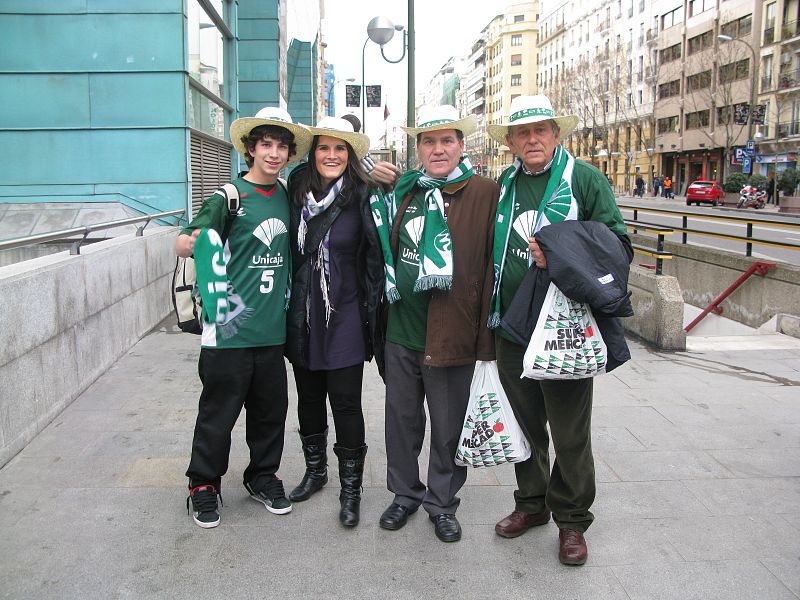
747, 165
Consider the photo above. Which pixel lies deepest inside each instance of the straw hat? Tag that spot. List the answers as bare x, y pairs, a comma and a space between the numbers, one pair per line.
530, 109
436, 118
342, 129
271, 115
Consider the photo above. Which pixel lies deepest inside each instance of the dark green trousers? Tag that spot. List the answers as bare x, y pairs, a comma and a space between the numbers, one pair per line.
569, 490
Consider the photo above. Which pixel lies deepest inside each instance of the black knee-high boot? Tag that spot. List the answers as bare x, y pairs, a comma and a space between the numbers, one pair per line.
315, 450
351, 475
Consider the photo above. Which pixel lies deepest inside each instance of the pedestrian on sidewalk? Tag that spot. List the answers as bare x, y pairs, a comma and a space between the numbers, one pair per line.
771, 189
242, 346
542, 165
668, 187
639, 186
442, 225
656, 185
334, 312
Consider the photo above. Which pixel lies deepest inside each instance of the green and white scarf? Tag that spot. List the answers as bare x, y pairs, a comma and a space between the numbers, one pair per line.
435, 246
558, 204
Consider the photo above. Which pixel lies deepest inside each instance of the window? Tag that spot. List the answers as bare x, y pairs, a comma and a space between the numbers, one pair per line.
669, 89
698, 81
734, 71
697, 120
670, 54
207, 93
640, 96
667, 125
724, 115
766, 70
673, 17
519, 18
516, 60
738, 28
516, 80
698, 6
769, 24
699, 43
516, 40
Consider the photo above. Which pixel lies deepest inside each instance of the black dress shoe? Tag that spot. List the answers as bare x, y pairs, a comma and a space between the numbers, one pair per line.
446, 527
396, 516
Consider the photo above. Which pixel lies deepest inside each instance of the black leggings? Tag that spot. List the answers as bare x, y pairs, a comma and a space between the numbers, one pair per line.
343, 388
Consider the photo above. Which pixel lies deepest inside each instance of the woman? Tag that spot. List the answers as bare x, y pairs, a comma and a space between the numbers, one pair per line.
337, 284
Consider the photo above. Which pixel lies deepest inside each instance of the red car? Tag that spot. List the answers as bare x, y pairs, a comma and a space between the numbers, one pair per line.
704, 191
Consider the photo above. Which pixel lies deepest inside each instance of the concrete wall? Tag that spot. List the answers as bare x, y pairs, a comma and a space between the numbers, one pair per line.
658, 309
705, 273
66, 319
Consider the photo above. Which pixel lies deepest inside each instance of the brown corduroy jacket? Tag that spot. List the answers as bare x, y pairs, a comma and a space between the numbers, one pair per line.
456, 331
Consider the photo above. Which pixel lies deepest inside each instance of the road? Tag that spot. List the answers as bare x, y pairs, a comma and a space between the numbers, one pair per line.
775, 233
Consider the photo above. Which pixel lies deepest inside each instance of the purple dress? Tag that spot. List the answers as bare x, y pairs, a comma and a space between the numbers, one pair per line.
341, 343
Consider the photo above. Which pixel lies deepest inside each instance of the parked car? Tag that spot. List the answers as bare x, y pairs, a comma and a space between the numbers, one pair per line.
699, 191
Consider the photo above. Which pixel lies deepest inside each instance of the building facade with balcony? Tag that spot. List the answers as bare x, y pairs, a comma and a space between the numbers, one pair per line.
779, 87
596, 62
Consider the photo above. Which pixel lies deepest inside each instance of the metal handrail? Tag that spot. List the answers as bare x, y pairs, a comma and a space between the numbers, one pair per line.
757, 268
748, 238
85, 230
659, 253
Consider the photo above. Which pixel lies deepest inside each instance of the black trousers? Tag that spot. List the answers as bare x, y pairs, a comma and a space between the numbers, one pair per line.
232, 378
343, 388
566, 406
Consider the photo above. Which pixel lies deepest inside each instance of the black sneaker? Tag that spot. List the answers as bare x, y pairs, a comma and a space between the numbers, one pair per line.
271, 495
204, 505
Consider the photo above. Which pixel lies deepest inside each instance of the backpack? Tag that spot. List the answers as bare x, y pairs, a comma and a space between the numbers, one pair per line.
185, 297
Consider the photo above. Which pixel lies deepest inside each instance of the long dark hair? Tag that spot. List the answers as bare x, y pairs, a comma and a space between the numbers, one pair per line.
309, 180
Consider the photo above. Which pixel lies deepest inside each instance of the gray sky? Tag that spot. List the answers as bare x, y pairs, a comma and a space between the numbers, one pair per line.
443, 29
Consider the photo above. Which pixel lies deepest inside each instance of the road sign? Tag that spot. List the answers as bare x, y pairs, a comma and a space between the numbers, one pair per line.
739, 154
751, 145
747, 165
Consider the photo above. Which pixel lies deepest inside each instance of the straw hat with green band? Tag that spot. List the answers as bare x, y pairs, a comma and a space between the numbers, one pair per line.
271, 115
437, 118
531, 109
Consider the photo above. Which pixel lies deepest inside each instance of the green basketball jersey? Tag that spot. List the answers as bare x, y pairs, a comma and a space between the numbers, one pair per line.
257, 256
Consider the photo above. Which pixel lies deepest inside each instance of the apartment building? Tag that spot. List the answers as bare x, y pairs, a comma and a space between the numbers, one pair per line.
779, 87
510, 62
596, 61
471, 99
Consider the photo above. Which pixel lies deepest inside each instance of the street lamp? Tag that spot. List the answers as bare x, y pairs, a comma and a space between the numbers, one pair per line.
726, 38
380, 30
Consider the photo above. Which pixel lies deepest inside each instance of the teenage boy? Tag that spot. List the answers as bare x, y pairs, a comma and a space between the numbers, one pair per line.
241, 358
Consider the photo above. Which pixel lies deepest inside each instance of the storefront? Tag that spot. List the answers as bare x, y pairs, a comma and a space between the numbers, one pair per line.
775, 163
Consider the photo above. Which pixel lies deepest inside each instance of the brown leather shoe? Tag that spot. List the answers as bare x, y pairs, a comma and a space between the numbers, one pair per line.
518, 522
571, 547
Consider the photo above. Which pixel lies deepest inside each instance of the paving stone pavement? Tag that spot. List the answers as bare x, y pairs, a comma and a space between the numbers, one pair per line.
698, 468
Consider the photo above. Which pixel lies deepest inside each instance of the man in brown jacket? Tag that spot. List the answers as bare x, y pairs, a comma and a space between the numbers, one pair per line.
441, 239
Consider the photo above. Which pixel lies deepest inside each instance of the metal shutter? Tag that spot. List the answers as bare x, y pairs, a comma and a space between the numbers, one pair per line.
210, 166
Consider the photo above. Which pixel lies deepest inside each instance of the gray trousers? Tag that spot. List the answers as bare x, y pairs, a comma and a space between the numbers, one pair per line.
408, 383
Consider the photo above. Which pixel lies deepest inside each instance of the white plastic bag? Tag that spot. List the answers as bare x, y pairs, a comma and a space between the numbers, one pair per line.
491, 435
566, 342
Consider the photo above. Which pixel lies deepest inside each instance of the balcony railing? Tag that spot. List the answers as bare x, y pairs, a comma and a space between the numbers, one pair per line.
787, 128
652, 35
769, 35
766, 83
602, 25
790, 30
789, 79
